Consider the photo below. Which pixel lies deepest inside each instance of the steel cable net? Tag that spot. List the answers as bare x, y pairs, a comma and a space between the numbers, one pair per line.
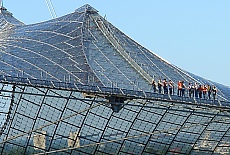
78, 85
45, 120
83, 47
5, 105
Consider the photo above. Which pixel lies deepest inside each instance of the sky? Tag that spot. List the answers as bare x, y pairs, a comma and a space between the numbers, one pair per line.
193, 35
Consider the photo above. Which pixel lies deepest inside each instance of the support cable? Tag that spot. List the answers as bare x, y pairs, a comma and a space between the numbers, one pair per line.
57, 121
131, 137
120, 49
51, 8
180, 110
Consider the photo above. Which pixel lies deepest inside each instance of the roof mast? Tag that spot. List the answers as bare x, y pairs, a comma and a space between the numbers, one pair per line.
2, 9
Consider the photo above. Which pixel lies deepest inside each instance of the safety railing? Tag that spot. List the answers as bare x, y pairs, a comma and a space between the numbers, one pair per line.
110, 91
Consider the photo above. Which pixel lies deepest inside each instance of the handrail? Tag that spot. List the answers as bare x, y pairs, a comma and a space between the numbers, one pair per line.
108, 91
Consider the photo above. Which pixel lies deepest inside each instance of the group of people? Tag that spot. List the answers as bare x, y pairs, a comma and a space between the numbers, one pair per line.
193, 90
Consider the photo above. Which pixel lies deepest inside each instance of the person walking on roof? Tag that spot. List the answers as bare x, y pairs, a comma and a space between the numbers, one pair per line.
190, 90
171, 87
209, 90
214, 92
159, 85
183, 88
200, 91
154, 86
204, 90
165, 86
196, 90
179, 88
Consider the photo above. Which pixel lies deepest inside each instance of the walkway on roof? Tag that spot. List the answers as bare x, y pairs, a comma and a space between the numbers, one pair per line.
108, 91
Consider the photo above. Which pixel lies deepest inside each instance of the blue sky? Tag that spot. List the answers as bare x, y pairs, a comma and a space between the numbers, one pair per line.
193, 35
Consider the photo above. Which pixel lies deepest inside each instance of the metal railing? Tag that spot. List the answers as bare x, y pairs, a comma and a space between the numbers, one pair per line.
112, 91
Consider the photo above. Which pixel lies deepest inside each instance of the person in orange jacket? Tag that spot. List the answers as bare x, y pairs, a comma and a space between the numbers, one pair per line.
200, 91
204, 90
179, 88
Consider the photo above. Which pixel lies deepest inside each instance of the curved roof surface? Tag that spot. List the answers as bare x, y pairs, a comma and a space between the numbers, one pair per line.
83, 47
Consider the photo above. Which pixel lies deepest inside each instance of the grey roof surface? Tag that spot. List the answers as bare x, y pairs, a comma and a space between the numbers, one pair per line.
82, 47
78, 85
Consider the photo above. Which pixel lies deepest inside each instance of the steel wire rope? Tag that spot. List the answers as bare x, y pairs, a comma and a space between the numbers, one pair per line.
154, 63
4, 73
23, 71
219, 143
178, 110
138, 46
51, 8
52, 32
116, 43
198, 105
108, 35
92, 35
113, 65
5, 123
172, 66
42, 42
85, 27
102, 73
66, 35
54, 122
131, 137
67, 23
43, 56
163, 106
50, 60
17, 69
180, 73
106, 58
